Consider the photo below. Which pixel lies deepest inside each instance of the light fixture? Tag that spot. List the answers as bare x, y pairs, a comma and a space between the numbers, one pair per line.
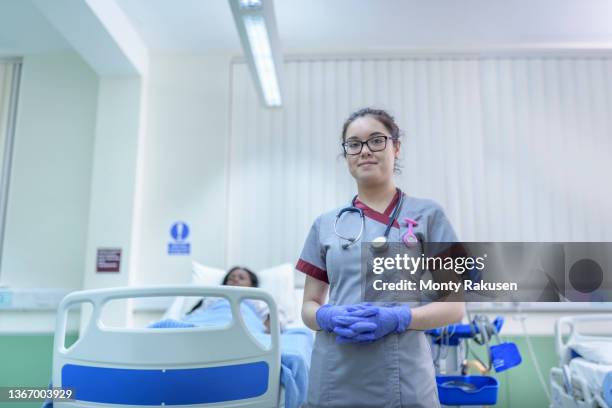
257, 29
250, 4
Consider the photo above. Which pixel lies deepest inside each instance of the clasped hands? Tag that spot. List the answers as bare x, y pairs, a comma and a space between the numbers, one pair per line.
364, 322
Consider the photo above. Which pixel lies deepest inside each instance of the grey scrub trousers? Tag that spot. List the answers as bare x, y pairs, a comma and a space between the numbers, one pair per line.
395, 371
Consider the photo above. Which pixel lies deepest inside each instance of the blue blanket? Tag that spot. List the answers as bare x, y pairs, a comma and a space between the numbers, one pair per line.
296, 348
607, 388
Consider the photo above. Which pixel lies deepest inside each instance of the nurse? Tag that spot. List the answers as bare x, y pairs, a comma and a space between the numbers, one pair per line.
370, 356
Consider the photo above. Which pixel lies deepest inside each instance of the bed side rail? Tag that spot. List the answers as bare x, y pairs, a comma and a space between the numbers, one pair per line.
562, 346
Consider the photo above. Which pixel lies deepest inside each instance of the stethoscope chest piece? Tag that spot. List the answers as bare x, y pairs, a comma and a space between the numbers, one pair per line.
379, 244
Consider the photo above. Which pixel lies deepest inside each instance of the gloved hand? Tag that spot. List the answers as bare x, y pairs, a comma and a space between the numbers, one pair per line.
326, 313
370, 323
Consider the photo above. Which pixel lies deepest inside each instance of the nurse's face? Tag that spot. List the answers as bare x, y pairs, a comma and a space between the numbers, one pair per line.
371, 167
239, 277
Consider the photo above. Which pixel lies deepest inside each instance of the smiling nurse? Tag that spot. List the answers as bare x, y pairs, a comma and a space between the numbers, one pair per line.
367, 355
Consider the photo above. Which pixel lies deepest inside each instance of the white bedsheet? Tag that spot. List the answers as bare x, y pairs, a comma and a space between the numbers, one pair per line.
593, 373
597, 351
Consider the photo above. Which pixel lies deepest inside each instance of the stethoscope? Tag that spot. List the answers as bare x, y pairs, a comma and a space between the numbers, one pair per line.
381, 243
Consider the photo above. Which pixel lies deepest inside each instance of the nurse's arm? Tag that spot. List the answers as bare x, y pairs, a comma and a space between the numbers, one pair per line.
315, 293
436, 314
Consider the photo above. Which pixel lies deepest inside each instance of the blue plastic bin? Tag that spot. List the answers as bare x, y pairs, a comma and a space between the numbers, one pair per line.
467, 390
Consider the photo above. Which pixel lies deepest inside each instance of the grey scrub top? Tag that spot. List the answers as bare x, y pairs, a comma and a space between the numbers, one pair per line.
397, 370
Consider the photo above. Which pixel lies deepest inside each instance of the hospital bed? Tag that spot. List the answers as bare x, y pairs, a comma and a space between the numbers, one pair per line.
584, 376
180, 367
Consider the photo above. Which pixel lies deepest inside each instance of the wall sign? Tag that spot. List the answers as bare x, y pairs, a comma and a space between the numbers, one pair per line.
179, 231
108, 260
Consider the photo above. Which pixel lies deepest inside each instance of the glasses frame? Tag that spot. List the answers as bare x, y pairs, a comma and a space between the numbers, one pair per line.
366, 142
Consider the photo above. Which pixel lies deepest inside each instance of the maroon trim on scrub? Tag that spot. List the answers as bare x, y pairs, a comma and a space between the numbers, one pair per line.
311, 270
383, 218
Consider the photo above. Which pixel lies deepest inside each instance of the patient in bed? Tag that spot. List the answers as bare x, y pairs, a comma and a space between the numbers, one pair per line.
216, 311
237, 276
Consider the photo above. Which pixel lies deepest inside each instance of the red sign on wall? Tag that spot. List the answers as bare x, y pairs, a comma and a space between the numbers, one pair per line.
108, 260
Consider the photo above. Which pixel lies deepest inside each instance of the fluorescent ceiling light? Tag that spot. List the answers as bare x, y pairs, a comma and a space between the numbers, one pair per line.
250, 4
257, 29
262, 54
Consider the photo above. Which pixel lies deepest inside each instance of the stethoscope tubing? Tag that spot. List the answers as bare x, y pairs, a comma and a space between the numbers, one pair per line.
350, 240
381, 241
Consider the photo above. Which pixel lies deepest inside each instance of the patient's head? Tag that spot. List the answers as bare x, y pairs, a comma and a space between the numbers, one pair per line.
241, 276
237, 276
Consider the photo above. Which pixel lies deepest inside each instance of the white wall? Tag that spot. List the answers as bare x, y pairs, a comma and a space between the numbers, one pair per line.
132, 156
184, 173
50, 180
114, 203
48, 201
513, 148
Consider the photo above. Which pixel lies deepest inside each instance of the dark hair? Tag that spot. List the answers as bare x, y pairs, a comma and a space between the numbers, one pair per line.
383, 117
254, 279
254, 283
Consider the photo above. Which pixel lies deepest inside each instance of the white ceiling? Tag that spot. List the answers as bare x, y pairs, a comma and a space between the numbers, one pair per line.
24, 30
330, 26
357, 25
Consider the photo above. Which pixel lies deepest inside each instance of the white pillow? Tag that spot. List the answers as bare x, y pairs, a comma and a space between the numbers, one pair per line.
200, 275
595, 351
206, 275
279, 282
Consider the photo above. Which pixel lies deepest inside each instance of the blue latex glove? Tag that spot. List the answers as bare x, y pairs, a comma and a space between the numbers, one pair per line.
370, 323
326, 313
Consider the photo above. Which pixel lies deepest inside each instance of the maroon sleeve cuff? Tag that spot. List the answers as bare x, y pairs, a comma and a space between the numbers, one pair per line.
311, 270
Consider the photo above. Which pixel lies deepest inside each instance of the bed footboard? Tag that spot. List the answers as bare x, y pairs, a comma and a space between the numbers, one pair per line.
200, 366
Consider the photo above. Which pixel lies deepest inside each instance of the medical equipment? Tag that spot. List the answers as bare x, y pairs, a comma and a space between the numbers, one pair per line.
410, 239
467, 390
450, 347
378, 244
111, 367
504, 356
461, 384
583, 378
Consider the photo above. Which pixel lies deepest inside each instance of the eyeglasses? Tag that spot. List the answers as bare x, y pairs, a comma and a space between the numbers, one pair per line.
375, 144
